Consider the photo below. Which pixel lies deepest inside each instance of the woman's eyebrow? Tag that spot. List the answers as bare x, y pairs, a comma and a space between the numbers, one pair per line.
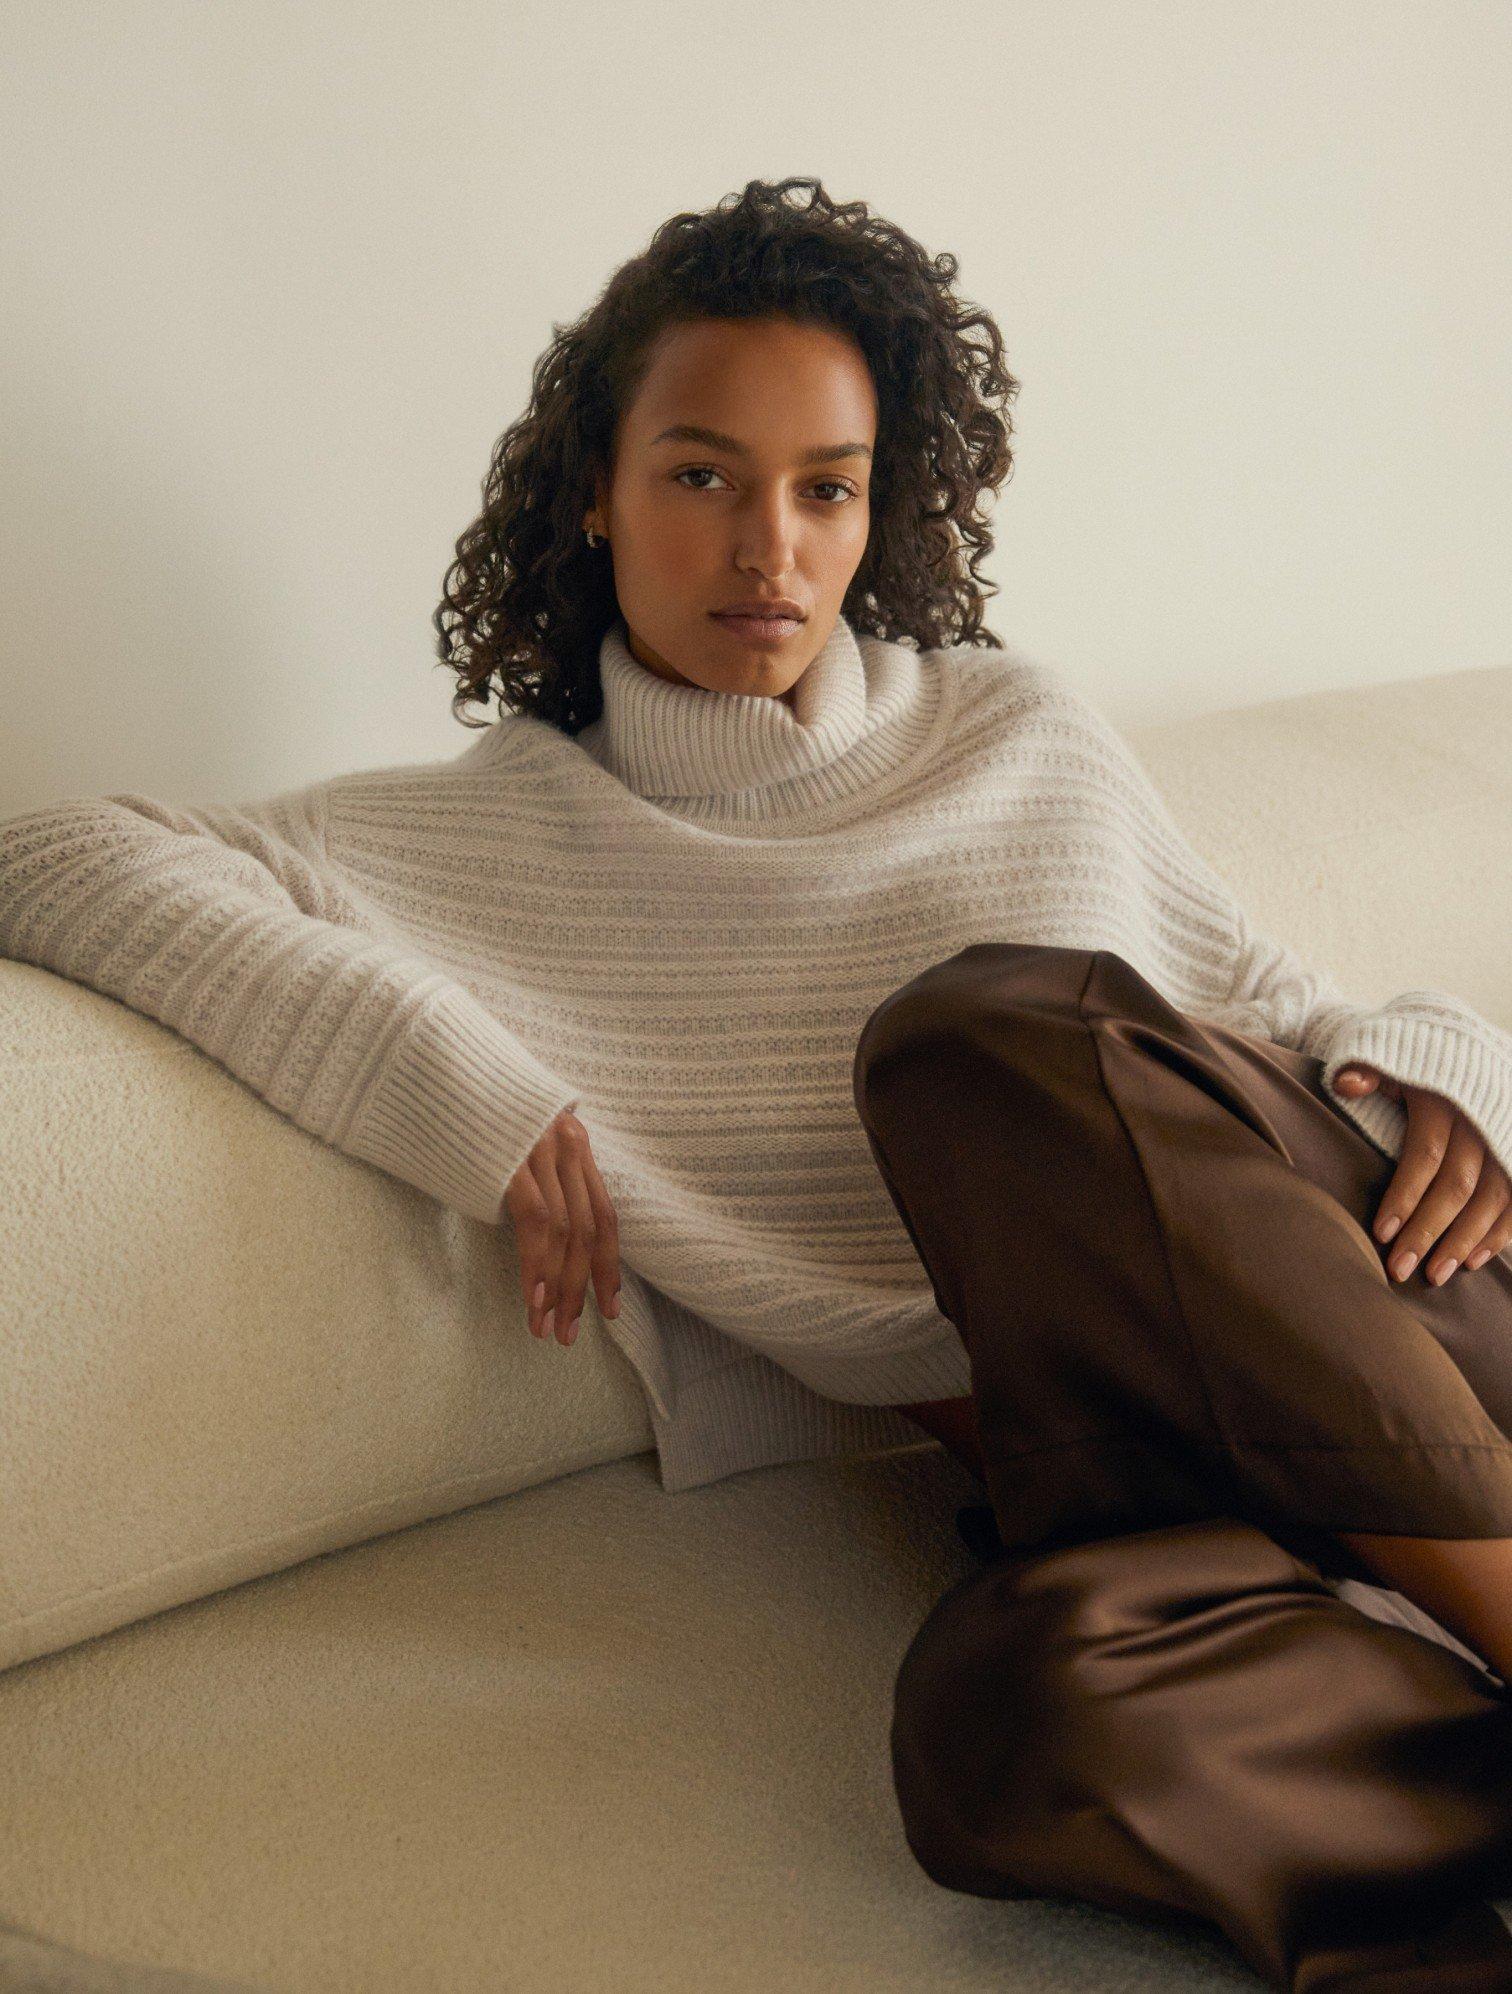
716, 439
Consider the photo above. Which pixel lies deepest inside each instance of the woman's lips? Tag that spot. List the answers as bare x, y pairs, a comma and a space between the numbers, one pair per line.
760, 629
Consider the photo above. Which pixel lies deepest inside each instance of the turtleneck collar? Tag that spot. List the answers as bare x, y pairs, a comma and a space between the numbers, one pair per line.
861, 705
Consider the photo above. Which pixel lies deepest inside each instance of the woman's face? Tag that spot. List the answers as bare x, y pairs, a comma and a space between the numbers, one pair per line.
772, 501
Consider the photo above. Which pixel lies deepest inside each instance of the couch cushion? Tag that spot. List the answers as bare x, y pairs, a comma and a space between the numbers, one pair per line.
586, 1736
226, 1346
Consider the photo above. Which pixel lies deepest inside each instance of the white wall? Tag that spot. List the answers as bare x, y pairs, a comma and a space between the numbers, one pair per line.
277, 275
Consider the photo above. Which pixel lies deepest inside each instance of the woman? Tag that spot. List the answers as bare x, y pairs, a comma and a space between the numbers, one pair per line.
773, 834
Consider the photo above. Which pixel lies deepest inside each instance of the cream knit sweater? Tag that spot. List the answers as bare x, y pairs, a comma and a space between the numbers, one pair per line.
676, 925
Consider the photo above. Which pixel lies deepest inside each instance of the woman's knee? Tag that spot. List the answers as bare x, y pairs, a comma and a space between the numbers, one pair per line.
944, 1001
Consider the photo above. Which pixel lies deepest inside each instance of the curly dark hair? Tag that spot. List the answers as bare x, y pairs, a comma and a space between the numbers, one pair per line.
527, 600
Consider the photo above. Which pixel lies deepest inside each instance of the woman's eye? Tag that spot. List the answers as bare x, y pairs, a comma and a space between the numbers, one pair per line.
701, 470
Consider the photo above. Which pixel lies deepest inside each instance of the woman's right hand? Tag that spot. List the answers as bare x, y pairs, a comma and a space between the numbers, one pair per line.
564, 1227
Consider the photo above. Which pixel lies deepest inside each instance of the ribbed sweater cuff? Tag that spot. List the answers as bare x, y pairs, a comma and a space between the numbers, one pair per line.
455, 1104
1425, 1052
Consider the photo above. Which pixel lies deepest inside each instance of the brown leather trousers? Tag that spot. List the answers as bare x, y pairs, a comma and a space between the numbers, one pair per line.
1189, 1370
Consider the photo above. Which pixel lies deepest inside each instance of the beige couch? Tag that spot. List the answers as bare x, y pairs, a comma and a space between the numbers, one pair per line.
347, 1638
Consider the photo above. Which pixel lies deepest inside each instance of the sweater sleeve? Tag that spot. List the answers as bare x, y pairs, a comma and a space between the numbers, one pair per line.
231, 926
1424, 1038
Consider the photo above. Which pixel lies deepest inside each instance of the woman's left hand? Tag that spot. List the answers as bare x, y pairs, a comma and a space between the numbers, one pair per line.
1444, 1173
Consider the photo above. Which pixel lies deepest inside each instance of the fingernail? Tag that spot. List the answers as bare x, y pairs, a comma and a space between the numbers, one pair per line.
569, 1335
1478, 1258
1390, 1230
539, 1296
1405, 1265
549, 1323
1444, 1272
613, 1309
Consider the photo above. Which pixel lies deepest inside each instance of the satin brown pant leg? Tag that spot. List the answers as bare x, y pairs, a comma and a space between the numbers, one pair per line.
1184, 1349
1188, 1723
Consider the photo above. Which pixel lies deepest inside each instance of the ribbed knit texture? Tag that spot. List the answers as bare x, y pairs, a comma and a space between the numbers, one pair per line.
677, 925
